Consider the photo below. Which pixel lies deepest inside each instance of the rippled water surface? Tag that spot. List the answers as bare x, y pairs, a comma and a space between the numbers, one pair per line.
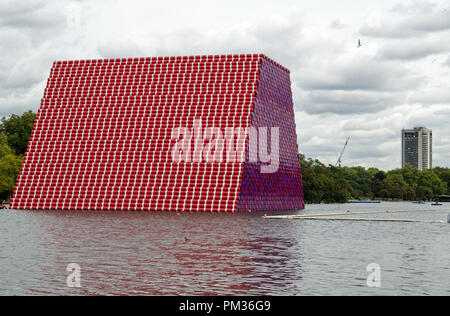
124, 253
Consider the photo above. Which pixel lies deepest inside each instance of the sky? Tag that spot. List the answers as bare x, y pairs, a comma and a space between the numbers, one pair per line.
399, 78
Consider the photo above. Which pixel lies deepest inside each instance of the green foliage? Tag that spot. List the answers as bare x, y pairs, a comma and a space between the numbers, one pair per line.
4, 147
9, 171
15, 132
322, 184
444, 175
17, 129
9, 168
328, 184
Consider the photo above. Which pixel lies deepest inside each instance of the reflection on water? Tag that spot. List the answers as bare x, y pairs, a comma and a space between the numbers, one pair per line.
219, 254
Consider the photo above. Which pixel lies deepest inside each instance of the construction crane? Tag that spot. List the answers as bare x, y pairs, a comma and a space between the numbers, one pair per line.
339, 162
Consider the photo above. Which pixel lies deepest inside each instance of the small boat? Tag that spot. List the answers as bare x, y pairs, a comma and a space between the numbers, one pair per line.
3, 207
436, 204
418, 202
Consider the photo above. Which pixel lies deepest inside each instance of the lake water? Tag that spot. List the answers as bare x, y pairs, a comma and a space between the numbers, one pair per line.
126, 253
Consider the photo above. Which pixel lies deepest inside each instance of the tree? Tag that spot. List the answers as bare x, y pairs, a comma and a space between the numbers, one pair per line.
9, 168
444, 175
17, 129
4, 147
322, 184
311, 186
409, 194
9, 171
410, 175
430, 184
338, 190
359, 180
395, 185
376, 184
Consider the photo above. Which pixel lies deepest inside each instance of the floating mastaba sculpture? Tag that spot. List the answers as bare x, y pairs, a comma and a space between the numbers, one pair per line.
201, 133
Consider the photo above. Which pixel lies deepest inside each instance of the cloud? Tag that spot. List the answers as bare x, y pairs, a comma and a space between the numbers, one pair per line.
337, 24
40, 20
412, 49
351, 74
347, 102
21, 101
120, 48
30, 32
433, 22
388, 31
351, 85
11, 8
414, 8
271, 38
447, 62
437, 95
416, 20
35, 16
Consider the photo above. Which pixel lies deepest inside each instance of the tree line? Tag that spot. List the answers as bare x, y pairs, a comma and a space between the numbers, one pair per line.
321, 183
330, 184
15, 131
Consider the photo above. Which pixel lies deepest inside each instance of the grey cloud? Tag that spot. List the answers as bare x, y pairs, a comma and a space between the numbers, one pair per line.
347, 102
388, 31
411, 49
324, 149
362, 151
120, 49
414, 7
26, 73
353, 85
31, 15
414, 23
445, 113
20, 102
375, 125
31, 33
358, 74
7, 108
431, 97
430, 119
436, 22
324, 136
22, 66
337, 24
447, 62
271, 38
35, 23
12, 7
190, 42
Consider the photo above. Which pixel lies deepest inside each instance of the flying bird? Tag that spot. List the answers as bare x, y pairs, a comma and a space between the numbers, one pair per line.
359, 43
